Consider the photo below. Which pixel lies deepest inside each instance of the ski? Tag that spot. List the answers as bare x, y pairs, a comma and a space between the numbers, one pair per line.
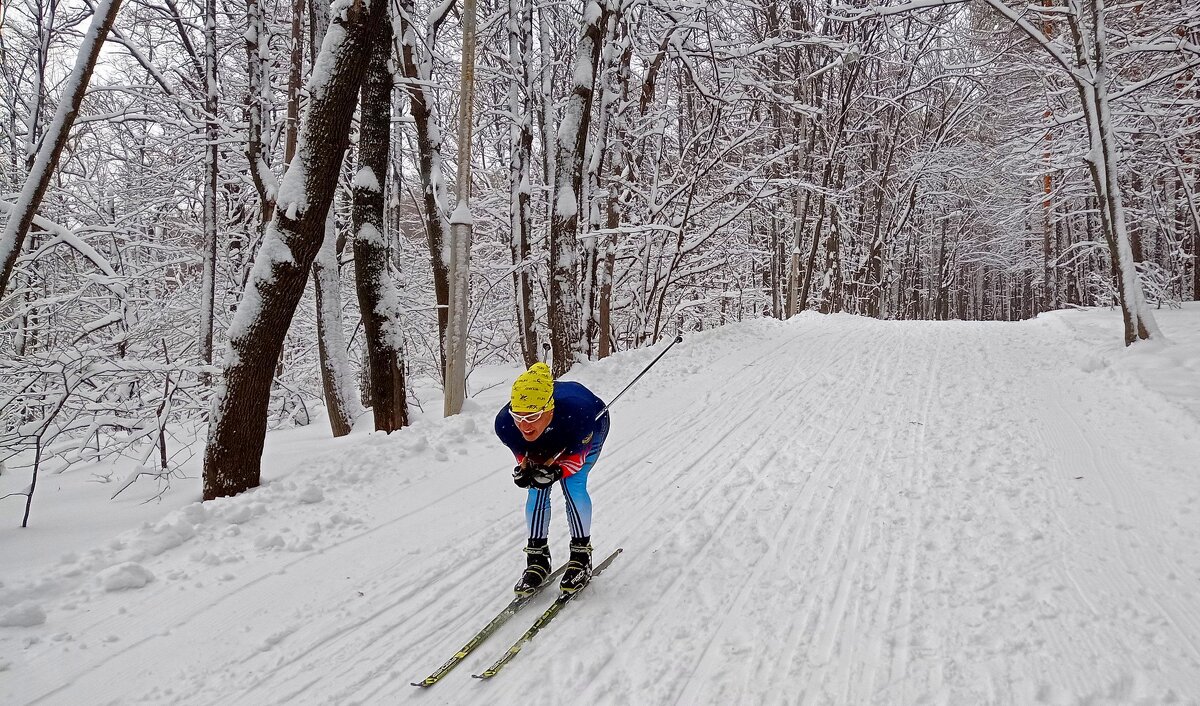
501, 618
542, 621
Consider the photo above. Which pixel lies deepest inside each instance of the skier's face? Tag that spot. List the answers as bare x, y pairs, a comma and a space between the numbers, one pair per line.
531, 426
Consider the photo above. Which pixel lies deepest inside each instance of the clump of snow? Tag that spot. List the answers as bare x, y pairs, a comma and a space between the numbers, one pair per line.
368, 233
272, 541
311, 494
591, 13
125, 576
276, 637
23, 615
461, 214
242, 513
293, 195
565, 205
365, 178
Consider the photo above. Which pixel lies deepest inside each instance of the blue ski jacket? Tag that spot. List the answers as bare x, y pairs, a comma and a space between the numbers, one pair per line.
570, 435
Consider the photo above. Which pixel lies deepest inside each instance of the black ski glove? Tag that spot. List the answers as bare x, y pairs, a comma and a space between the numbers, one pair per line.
545, 476
521, 476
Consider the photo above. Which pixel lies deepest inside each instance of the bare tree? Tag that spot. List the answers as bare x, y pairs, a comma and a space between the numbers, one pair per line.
416, 64
570, 141
377, 299
55, 138
238, 424
461, 230
520, 139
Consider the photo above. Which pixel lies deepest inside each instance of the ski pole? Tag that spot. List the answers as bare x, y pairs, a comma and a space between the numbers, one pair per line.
604, 411
639, 376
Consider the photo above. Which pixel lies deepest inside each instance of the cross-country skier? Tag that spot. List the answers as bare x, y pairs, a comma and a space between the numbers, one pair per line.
553, 429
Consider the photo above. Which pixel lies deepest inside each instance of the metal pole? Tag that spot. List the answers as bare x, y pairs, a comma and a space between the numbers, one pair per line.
639, 376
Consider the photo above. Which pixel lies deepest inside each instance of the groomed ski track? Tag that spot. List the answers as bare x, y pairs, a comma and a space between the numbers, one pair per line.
831, 510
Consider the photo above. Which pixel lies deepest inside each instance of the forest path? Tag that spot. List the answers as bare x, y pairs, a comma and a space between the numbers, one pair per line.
839, 511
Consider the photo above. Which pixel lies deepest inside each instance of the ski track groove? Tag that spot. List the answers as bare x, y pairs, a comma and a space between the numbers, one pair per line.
831, 535
828, 390
701, 491
692, 686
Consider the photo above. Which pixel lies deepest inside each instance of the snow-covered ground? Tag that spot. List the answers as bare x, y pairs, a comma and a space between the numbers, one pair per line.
831, 510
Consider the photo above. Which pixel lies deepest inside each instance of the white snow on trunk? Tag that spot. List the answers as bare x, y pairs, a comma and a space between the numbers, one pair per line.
365, 178
273, 250
391, 310
368, 233
336, 361
293, 188
461, 214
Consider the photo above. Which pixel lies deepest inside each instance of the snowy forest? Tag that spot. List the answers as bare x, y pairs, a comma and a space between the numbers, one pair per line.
223, 216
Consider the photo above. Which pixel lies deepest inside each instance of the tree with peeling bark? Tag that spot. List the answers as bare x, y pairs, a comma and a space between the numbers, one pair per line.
237, 426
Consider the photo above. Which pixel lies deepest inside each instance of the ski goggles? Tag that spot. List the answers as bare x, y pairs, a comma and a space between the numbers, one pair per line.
530, 418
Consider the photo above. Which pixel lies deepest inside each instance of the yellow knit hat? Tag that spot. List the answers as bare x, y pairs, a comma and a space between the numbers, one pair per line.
534, 390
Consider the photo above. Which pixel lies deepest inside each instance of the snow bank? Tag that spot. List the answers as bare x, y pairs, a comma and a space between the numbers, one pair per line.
23, 615
125, 576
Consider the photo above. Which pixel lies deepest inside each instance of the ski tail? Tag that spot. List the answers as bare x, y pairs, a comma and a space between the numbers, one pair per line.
488, 630
542, 621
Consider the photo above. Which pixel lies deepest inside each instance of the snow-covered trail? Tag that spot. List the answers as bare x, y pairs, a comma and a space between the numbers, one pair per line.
830, 510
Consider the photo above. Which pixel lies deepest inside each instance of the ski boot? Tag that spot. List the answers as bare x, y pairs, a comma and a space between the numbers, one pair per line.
579, 567
537, 568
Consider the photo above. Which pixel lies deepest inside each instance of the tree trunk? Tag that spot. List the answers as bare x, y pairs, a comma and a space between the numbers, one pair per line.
831, 280
593, 246
208, 285
520, 135
461, 231
337, 380
258, 111
806, 281
237, 427
415, 64
376, 293
295, 71
565, 338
